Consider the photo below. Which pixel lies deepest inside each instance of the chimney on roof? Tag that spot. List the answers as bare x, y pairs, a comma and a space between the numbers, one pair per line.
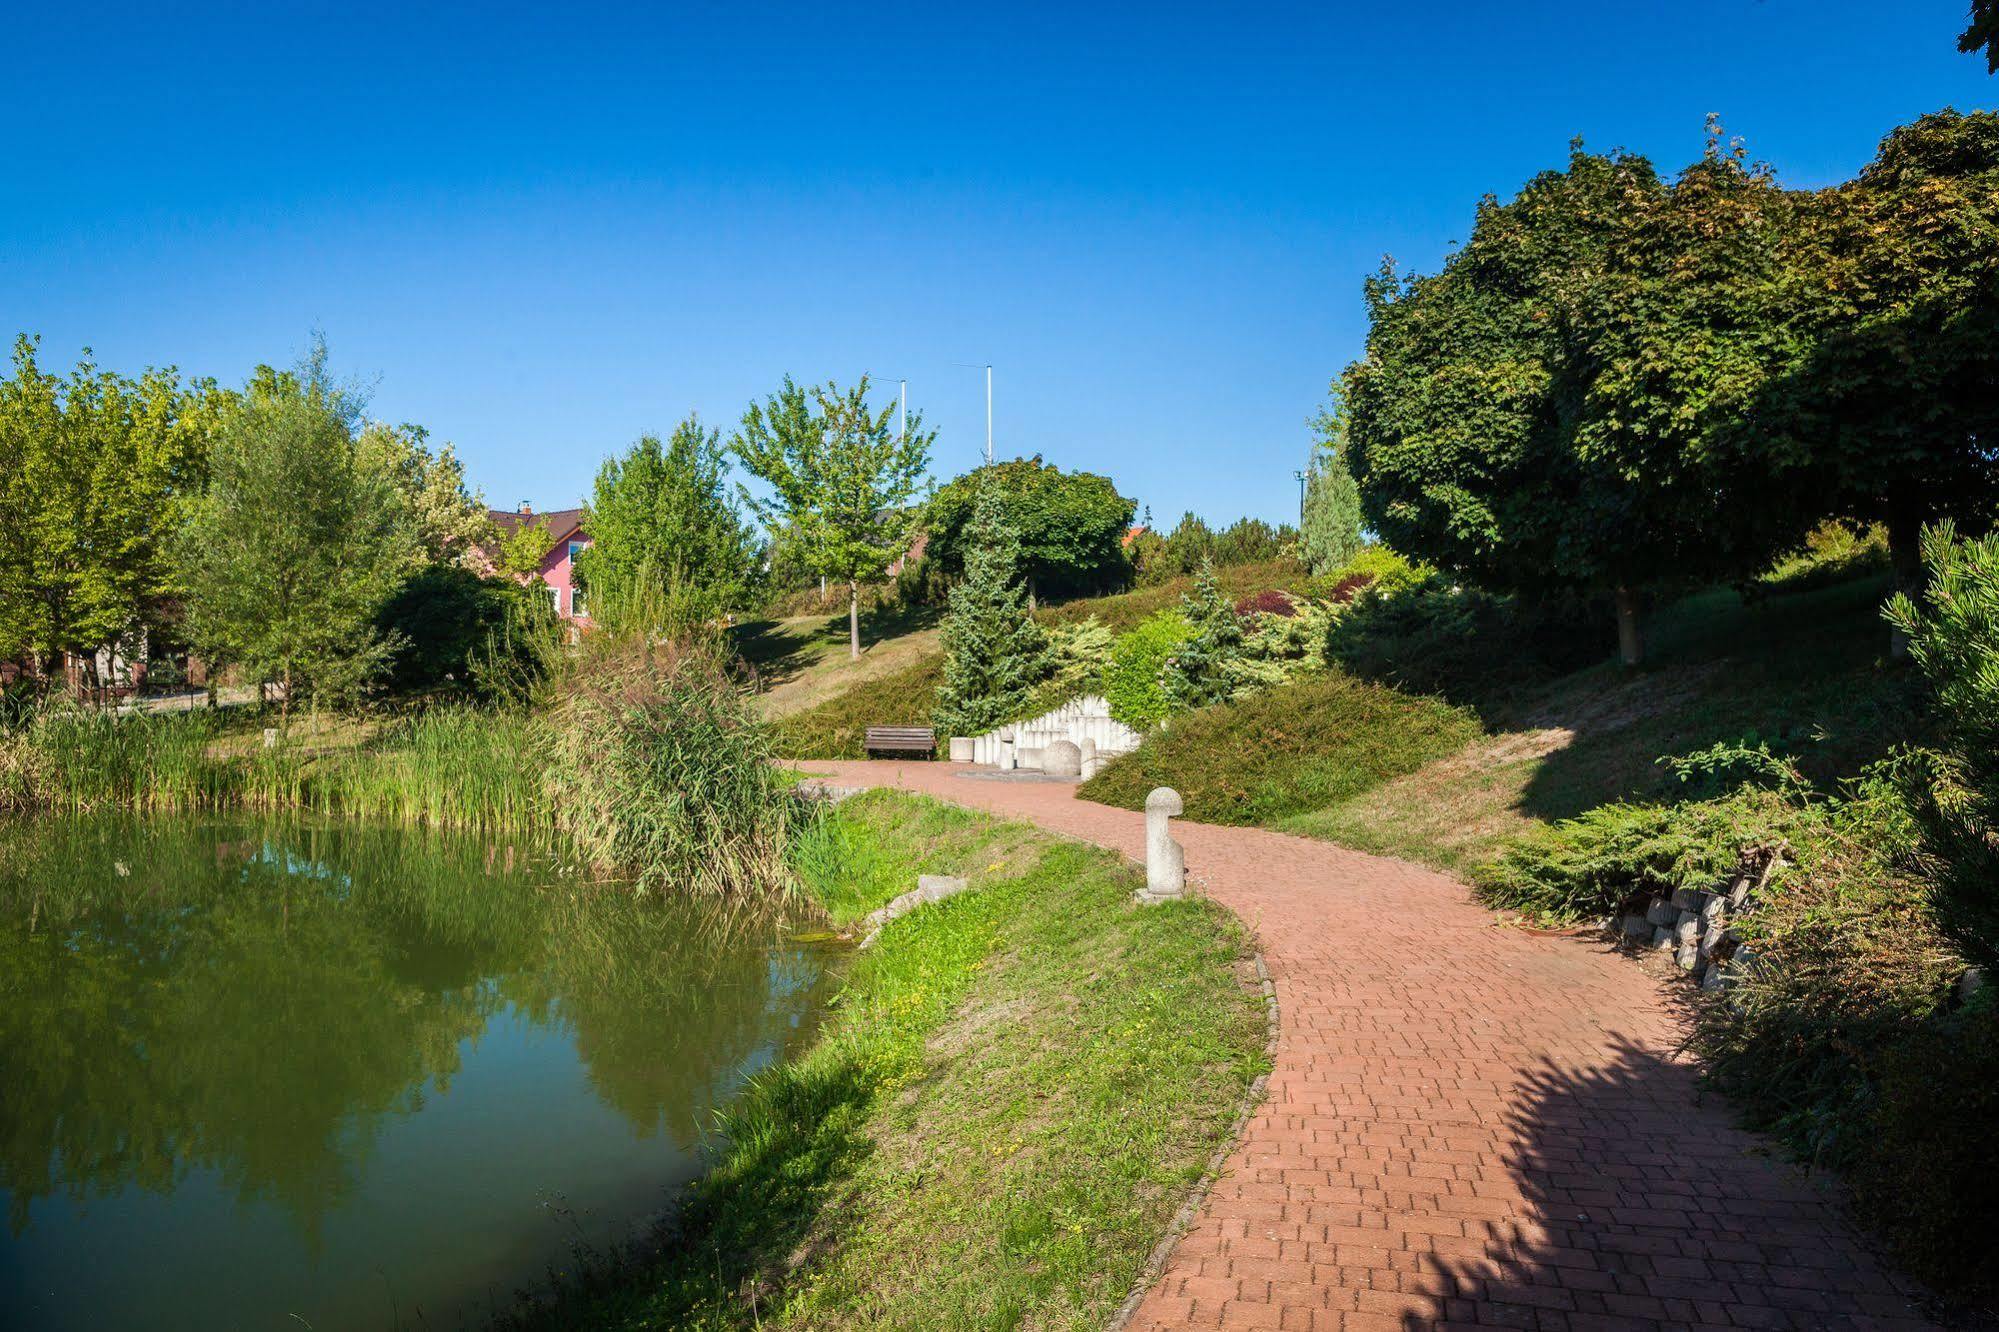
526, 507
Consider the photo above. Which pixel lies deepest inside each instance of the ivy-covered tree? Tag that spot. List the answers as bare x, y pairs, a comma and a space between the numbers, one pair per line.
664, 531
1333, 529
994, 652
842, 479
1071, 525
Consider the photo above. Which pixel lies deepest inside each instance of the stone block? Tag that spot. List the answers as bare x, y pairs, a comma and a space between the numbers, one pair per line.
1715, 910
1688, 955
962, 748
1689, 899
1663, 938
1662, 912
1637, 929
1062, 759
1716, 941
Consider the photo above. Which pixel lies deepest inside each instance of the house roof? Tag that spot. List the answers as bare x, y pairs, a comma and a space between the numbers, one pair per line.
561, 523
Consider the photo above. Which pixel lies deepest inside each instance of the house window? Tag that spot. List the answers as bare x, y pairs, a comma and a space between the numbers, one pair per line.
577, 548
555, 594
578, 600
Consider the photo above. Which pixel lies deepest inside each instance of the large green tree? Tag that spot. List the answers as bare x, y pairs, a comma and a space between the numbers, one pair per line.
1070, 526
1894, 402
664, 531
96, 473
842, 478
1551, 409
298, 541
994, 652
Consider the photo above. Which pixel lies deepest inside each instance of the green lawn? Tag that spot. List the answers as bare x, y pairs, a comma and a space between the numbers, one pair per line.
1011, 1096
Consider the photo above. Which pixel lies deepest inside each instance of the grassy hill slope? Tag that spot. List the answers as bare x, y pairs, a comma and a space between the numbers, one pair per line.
1445, 782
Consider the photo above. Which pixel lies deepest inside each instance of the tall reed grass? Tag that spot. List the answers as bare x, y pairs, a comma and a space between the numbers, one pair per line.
668, 773
460, 766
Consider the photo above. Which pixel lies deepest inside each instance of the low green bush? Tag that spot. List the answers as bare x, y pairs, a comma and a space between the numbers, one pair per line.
1615, 855
1833, 553
1299, 747
1135, 676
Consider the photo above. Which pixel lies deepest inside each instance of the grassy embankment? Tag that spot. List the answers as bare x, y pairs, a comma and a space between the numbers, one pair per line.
1009, 1099
1446, 779
822, 703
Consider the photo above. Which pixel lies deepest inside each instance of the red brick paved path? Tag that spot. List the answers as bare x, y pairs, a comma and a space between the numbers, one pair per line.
1467, 1124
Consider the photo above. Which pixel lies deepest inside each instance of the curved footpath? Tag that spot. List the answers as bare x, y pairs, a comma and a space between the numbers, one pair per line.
1467, 1124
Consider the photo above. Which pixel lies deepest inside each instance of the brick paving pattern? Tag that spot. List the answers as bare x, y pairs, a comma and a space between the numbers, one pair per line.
1468, 1125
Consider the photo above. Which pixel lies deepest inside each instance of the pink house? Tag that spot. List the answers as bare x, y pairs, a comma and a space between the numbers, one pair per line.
558, 567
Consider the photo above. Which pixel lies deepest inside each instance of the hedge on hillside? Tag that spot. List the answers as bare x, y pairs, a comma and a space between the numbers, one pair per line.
1299, 747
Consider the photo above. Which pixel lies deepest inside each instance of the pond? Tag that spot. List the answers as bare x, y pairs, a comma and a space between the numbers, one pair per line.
274, 1075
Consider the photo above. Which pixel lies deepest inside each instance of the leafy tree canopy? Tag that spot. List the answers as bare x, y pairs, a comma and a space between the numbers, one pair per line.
663, 528
1894, 402
1549, 410
842, 478
1070, 525
1982, 34
97, 472
299, 539
449, 521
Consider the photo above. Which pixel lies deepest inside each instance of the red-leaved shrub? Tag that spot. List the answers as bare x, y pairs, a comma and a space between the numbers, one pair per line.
1267, 602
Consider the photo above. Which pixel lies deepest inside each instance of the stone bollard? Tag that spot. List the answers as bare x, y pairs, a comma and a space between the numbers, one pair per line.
270, 737
1165, 860
962, 748
1006, 749
1090, 761
1061, 759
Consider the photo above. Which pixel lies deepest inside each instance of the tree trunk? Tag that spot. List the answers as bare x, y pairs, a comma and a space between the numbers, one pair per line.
285, 703
1630, 633
854, 619
1905, 556
1030, 594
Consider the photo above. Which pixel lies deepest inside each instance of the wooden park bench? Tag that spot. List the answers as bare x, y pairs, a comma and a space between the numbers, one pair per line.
902, 740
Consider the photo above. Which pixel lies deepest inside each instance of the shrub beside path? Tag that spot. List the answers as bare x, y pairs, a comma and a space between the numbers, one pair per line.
1467, 1124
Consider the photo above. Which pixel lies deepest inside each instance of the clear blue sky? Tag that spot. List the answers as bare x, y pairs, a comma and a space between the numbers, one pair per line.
543, 230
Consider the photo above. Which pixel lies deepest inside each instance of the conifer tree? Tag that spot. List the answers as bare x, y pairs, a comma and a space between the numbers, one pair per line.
1331, 524
994, 652
1202, 672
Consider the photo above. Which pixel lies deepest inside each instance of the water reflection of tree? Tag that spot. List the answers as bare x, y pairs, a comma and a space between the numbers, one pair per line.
668, 1005
261, 1001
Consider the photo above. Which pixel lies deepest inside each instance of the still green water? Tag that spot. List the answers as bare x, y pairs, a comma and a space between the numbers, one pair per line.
333, 1076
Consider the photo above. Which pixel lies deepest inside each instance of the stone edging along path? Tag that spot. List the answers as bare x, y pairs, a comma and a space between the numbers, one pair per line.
1466, 1125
